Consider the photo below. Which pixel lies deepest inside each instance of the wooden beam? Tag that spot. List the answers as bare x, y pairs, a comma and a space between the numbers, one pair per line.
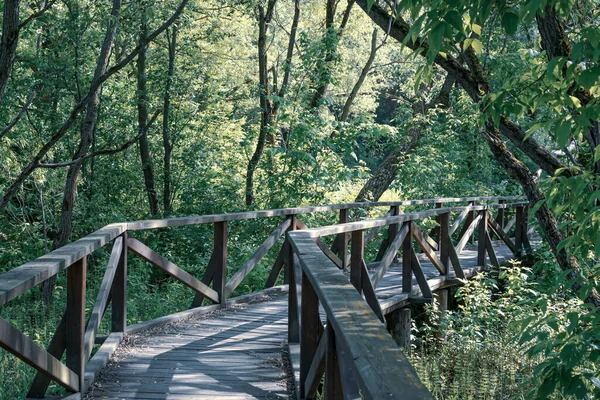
311, 331
220, 235
501, 234
357, 259
373, 232
103, 296
369, 293
173, 270
463, 215
458, 271
388, 258
118, 292
75, 325
407, 259
15, 342
469, 232
347, 374
249, 265
418, 234
333, 382
482, 238
420, 276
490, 250
326, 250
207, 278
317, 368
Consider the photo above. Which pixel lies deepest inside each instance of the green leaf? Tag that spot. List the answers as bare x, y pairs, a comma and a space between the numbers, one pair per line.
510, 22
477, 46
454, 19
563, 132
588, 78
370, 4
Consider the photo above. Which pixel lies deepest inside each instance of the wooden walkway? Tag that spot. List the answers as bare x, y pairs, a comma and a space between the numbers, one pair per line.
236, 353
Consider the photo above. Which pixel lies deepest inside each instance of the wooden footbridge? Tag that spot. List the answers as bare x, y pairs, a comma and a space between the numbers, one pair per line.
336, 316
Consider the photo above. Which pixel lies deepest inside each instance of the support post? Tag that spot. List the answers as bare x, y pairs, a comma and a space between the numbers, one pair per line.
287, 245
342, 240
220, 253
399, 325
75, 322
442, 299
444, 240
482, 239
119, 291
356, 259
333, 381
500, 217
519, 228
407, 260
293, 328
311, 330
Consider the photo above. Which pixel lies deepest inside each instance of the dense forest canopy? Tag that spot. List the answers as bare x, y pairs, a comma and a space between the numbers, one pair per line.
113, 111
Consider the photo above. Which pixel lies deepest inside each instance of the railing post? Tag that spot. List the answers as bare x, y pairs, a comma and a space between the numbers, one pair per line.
119, 291
436, 232
293, 328
472, 217
333, 381
500, 217
482, 238
519, 228
407, 260
393, 228
75, 326
287, 271
444, 240
220, 254
356, 259
342, 240
311, 330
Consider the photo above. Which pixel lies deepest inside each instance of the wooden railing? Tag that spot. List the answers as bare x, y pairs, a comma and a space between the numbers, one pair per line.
75, 337
352, 349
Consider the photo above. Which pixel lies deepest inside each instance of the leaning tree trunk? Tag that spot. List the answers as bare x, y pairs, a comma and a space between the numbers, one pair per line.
10, 38
166, 133
84, 142
142, 106
386, 172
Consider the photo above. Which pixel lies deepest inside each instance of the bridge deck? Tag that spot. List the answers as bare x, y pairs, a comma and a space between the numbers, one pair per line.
235, 353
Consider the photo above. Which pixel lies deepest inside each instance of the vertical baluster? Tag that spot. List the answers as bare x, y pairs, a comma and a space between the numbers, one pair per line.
311, 329
500, 218
436, 232
293, 328
287, 246
482, 237
519, 228
342, 240
407, 260
444, 240
333, 381
119, 291
220, 253
356, 259
75, 327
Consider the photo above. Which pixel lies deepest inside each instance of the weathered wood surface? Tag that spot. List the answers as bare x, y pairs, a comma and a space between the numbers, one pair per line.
234, 354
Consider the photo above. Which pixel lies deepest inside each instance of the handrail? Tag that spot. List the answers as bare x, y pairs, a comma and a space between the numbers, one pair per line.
75, 337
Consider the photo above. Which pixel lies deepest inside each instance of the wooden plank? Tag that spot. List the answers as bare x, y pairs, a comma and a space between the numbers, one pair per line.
56, 348
490, 250
347, 374
426, 248
463, 215
482, 238
501, 234
387, 259
357, 259
102, 298
101, 358
326, 250
469, 232
384, 370
342, 240
373, 232
417, 270
317, 368
75, 324
311, 330
220, 235
369, 292
407, 259
119, 291
13, 341
173, 270
333, 381
262, 250
20, 279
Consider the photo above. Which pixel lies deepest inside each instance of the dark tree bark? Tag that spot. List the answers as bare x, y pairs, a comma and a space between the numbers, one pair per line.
85, 136
142, 106
386, 172
8, 44
166, 133
474, 82
266, 106
68, 123
361, 78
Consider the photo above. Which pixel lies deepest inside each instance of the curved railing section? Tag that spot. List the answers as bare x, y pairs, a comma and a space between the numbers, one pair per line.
352, 328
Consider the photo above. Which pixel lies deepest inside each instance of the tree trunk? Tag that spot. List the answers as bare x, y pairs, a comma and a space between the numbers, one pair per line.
266, 116
142, 106
85, 136
68, 123
10, 38
386, 172
361, 78
167, 142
